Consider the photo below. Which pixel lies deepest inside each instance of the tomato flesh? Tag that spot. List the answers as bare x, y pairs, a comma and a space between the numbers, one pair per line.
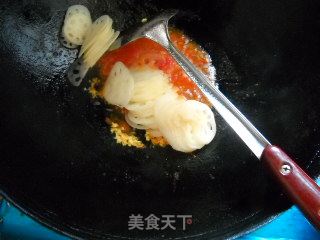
144, 52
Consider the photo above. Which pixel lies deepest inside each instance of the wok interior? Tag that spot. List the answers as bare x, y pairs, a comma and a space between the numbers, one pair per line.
61, 164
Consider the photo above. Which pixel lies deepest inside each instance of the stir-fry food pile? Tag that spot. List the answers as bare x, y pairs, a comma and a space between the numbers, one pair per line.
147, 88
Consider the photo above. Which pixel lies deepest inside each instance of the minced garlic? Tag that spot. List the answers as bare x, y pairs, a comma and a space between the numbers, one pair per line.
124, 138
93, 89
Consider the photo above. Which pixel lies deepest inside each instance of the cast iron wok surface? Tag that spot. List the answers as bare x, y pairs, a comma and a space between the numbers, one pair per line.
59, 161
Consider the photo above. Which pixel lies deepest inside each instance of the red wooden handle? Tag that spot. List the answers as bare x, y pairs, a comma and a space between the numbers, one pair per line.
303, 190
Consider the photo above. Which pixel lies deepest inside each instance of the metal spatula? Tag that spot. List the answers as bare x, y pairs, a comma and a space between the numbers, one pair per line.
302, 190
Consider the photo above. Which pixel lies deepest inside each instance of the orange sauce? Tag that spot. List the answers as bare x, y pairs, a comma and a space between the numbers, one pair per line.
144, 52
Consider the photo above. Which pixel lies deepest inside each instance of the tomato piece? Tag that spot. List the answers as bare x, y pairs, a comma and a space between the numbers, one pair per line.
147, 53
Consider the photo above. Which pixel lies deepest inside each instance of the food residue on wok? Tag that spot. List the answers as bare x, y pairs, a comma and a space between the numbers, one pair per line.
125, 138
145, 86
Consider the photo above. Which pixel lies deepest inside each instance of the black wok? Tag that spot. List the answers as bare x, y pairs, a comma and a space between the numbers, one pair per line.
60, 164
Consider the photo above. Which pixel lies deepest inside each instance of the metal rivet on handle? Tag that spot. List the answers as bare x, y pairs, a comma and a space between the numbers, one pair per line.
285, 169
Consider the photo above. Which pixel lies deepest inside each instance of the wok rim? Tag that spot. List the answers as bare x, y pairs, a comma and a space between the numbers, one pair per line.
68, 231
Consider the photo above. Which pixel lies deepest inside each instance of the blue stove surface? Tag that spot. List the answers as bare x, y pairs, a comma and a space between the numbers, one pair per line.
15, 225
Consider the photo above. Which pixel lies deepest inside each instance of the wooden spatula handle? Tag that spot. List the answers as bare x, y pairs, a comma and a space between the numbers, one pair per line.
302, 190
